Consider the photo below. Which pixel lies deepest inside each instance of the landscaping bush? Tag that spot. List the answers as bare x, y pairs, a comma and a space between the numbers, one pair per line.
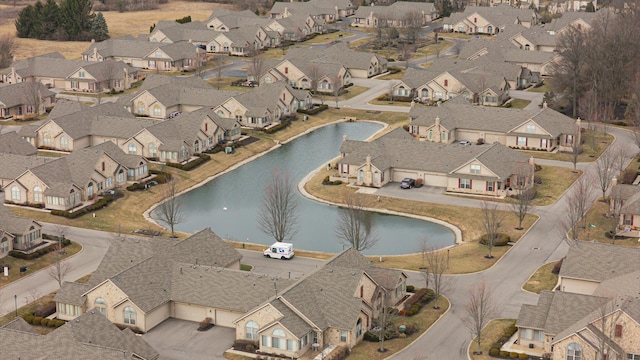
135, 187
514, 355
135, 329
278, 127
202, 158
414, 309
504, 354
501, 240
104, 201
537, 167
44, 322
410, 329
46, 309
393, 69
339, 353
371, 336
494, 351
510, 330
36, 320
36, 254
56, 323
28, 318
415, 298
529, 194
411, 288
557, 267
523, 356
314, 110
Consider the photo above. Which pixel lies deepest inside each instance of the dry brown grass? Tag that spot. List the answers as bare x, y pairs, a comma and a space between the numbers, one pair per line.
597, 216
490, 334
542, 279
120, 24
366, 350
601, 142
465, 258
32, 265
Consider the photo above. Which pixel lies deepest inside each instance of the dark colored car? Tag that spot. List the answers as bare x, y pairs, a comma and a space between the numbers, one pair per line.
407, 183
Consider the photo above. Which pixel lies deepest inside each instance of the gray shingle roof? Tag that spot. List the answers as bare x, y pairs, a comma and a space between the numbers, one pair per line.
599, 262
22, 93
20, 325
338, 53
131, 48
71, 293
14, 165
129, 161
49, 65
12, 143
396, 11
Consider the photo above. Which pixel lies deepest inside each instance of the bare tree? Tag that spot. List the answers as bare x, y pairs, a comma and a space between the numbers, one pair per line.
491, 222
7, 48
62, 231
479, 309
412, 24
622, 155
59, 268
605, 167
577, 205
278, 217
354, 227
438, 263
170, 210
337, 87
405, 52
385, 320
313, 71
568, 72
257, 64
615, 209
218, 63
32, 93
520, 205
607, 324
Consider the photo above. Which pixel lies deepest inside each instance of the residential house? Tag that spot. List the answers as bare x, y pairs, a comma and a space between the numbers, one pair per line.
488, 20
25, 100
226, 20
299, 27
17, 233
488, 169
456, 120
12, 143
482, 80
264, 105
562, 6
70, 181
594, 314
160, 96
327, 10
196, 33
623, 203
142, 282
88, 336
333, 306
399, 14
304, 74
14, 165
178, 56
54, 71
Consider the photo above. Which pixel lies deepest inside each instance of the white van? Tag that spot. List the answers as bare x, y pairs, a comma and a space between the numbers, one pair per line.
280, 250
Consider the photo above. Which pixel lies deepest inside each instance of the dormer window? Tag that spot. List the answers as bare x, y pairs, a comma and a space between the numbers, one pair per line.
475, 20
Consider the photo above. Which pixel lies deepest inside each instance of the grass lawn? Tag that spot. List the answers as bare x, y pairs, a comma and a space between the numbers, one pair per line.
28, 310
395, 76
595, 142
367, 350
465, 258
326, 38
555, 181
519, 103
392, 103
540, 89
50, 153
426, 65
432, 49
32, 265
490, 334
454, 35
353, 91
542, 279
225, 84
596, 216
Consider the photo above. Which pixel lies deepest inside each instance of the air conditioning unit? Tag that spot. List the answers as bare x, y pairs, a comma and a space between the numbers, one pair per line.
531, 346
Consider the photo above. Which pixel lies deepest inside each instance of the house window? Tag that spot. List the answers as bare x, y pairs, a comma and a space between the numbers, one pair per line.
491, 186
4, 245
121, 176
267, 80
475, 169
109, 182
132, 148
277, 340
251, 330
292, 345
527, 47
618, 332
430, 134
343, 336
266, 340
465, 183
37, 194
376, 177
569, 139
489, 29
153, 150
101, 305
531, 128
64, 142
360, 175
46, 138
156, 110
140, 108
538, 335
90, 189
15, 193
443, 136
574, 352
158, 54
129, 315
437, 95
522, 141
359, 328
74, 85
446, 82
633, 356
196, 146
628, 220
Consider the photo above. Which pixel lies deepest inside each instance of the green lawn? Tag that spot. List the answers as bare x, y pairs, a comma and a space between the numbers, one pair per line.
542, 279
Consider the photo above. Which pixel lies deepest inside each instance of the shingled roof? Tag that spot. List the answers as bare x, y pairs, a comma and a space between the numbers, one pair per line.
12, 143
22, 93
599, 262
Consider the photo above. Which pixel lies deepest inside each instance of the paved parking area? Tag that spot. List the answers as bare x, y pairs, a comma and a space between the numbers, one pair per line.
180, 340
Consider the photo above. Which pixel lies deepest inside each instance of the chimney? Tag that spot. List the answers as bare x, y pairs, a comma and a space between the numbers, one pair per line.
95, 54
544, 105
344, 137
614, 181
438, 121
368, 161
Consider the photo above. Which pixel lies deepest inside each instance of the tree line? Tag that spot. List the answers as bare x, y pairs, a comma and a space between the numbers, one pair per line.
71, 20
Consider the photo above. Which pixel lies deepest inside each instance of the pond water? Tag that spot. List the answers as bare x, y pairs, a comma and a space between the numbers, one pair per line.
230, 203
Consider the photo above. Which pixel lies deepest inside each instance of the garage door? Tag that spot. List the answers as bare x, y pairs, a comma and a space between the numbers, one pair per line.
190, 312
398, 175
225, 318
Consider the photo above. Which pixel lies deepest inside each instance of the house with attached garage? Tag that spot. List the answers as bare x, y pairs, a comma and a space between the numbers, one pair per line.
308, 75
333, 306
399, 14
70, 181
488, 20
264, 105
487, 169
142, 282
594, 314
14, 165
12, 143
17, 233
326, 10
456, 120
90, 336
143, 54
25, 100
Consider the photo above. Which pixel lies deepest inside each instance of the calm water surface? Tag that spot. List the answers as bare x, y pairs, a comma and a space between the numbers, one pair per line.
230, 203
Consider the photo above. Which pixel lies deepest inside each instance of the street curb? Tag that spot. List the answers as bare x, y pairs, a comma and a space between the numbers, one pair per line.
425, 331
46, 267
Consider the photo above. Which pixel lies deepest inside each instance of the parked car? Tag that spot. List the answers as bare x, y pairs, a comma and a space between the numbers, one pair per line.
465, 142
407, 183
174, 114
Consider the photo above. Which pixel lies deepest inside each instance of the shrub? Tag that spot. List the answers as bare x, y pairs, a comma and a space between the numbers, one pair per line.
414, 309
46, 309
314, 110
523, 356
480, 141
37, 320
507, 105
510, 330
28, 318
371, 336
557, 266
393, 69
537, 167
514, 355
36, 254
104, 201
629, 176
410, 329
57, 323
202, 158
501, 240
278, 127
135, 187
415, 298
411, 288
494, 351
504, 354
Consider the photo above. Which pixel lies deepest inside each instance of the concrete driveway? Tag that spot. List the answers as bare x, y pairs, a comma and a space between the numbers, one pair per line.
180, 340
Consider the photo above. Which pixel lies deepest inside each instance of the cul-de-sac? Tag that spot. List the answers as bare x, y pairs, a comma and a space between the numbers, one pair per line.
320, 179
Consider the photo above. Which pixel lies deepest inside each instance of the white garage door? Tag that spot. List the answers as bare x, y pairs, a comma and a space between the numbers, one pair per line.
190, 312
398, 175
225, 318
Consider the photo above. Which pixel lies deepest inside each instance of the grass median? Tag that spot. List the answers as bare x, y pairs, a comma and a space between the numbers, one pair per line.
542, 279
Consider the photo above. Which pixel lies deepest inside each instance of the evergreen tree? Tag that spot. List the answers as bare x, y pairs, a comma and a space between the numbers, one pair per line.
25, 22
99, 29
37, 21
76, 19
50, 20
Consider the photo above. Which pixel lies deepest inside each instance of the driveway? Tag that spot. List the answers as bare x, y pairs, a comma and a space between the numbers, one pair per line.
180, 340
